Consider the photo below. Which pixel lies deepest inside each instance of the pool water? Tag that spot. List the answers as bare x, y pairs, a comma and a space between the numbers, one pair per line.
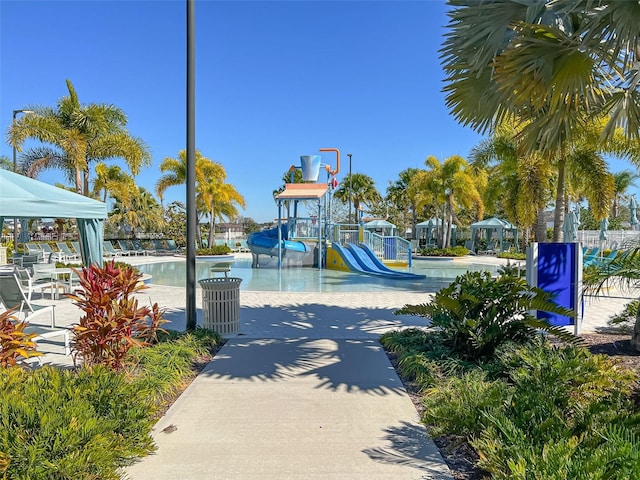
440, 273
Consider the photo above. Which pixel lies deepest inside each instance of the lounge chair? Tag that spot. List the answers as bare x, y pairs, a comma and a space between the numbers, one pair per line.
12, 296
232, 246
109, 250
137, 246
601, 262
31, 283
35, 249
51, 255
490, 250
172, 246
126, 249
76, 249
64, 248
160, 247
589, 258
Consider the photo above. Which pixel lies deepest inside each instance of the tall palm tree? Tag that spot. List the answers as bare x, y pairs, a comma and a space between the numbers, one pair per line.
405, 198
76, 136
214, 197
359, 189
623, 181
452, 184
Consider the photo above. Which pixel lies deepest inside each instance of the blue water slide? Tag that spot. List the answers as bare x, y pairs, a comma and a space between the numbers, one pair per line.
266, 242
370, 262
355, 266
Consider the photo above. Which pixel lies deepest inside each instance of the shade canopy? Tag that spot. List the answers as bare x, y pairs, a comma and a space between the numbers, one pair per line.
24, 197
428, 229
491, 225
386, 227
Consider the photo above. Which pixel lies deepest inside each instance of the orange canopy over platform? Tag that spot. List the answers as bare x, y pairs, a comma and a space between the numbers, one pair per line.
303, 191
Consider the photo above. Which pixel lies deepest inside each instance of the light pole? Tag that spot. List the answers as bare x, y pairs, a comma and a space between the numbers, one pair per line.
349, 218
15, 170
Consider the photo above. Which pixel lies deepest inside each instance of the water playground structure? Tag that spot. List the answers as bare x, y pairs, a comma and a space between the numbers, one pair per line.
319, 242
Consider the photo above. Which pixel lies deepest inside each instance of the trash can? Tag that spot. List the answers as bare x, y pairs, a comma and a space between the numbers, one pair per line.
221, 304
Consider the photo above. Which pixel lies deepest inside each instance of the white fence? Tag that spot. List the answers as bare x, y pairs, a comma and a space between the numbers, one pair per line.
615, 238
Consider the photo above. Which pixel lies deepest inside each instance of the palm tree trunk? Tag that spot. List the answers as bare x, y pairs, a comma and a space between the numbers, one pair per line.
635, 338
541, 226
558, 216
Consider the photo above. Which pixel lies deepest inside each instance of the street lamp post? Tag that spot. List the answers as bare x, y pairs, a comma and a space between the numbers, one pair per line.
349, 217
15, 170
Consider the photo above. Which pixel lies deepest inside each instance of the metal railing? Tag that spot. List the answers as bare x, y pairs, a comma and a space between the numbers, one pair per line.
389, 249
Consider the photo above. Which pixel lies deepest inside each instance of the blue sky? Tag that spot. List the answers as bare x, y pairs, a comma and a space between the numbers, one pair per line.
274, 80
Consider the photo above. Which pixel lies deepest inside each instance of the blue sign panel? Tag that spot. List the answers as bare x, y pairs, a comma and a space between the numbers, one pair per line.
557, 272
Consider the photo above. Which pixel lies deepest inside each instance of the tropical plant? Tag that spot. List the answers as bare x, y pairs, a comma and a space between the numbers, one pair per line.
405, 199
214, 197
15, 343
112, 322
451, 185
137, 210
112, 181
358, 189
622, 182
76, 136
476, 313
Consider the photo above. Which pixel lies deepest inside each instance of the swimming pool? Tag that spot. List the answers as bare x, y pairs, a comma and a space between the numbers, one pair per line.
306, 279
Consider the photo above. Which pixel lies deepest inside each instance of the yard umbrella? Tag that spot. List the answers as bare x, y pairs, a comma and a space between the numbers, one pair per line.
633, 211
604, 234
570, 227
24, 231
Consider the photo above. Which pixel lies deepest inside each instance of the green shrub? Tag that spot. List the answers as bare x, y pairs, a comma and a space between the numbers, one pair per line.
626, 319
57, 424
215, 250
513, 255
476, 313
457, 251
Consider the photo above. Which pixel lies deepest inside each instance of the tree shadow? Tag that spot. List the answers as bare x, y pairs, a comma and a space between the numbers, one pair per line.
409, 446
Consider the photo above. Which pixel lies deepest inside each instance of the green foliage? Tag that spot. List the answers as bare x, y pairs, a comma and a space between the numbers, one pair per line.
513, 255
15, 343
57, 424
215, 250
457, 251
163, 370
512, 270
475, 314
112, 322
625, 320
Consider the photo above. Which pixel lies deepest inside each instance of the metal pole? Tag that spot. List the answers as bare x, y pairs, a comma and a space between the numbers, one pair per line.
191, 318
349, 218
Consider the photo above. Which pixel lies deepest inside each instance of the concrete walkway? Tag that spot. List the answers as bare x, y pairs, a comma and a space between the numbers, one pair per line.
305, 392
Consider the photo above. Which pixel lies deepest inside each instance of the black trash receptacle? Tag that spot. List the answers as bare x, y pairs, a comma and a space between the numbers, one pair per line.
221, 304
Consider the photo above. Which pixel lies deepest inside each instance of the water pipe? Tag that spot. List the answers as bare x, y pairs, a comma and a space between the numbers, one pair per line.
333, 172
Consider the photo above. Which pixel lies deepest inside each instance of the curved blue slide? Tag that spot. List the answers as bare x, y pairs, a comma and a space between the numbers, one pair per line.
266, 242
354, 265
370, 262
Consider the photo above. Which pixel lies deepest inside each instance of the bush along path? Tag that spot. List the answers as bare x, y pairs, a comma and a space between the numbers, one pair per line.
525, 407
87, 423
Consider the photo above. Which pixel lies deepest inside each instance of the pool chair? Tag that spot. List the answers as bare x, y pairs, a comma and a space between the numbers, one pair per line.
137, 246
51, 255
109, 250
244, 246
589, 258
13, 297
159, 247
232, 246
172, 246
64, 248
602, 262
35, 249
126, 249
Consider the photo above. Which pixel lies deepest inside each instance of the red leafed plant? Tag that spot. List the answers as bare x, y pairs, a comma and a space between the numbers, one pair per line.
15, 343
113, 322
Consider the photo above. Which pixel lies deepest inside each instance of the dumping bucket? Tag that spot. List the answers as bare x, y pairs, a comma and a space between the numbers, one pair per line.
310, 167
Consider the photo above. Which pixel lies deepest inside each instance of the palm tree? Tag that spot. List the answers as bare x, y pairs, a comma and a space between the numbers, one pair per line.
622, 181
519, 183
451, 184
359, 189
405, 198
555, 64
76, 136
112, 181
214, 197
140, 211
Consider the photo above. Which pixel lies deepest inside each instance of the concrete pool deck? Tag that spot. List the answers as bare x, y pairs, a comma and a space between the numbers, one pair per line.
304, 391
